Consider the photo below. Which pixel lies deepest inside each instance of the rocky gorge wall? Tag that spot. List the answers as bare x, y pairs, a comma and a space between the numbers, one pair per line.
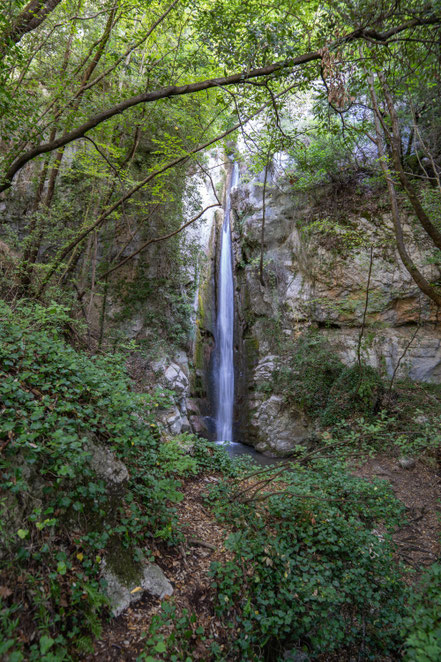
317, 258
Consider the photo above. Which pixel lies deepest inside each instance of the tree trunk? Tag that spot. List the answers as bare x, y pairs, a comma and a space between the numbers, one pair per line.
417, 276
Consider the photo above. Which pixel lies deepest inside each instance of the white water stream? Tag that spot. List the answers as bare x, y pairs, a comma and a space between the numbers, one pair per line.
225, 325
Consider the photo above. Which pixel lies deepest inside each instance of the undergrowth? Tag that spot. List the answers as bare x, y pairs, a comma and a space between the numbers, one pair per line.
60, 517
313, 377
308, 568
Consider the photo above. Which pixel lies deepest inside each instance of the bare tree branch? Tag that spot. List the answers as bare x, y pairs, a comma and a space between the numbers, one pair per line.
157, 239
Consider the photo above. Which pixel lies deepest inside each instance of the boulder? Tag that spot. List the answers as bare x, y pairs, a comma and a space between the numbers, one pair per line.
173, 421
106, 465
122, 595
176, 379
279, 430
198, 425
406, 462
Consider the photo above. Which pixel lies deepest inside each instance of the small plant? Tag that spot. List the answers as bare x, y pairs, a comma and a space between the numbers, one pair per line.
172, 635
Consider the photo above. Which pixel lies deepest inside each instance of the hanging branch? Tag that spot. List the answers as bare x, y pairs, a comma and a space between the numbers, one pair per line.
363, 323
157, 239
262, 232
104, 216
198, 86
413, 270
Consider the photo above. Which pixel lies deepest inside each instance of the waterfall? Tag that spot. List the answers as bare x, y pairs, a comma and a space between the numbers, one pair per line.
225, 325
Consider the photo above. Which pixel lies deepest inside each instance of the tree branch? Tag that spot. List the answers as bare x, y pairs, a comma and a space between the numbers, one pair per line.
30, 18
191, 88
157, 239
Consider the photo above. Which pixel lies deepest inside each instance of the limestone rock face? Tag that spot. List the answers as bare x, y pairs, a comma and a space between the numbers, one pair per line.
174, 376
316, 264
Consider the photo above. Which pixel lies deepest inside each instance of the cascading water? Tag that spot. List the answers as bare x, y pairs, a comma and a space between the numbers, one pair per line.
225, 326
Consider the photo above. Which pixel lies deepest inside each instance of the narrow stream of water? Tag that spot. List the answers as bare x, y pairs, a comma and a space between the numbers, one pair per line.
224, 405
225, 325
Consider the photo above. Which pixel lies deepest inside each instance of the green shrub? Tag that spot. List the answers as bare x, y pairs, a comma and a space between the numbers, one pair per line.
422, 626
310, 368
313, 378
59, 517
307, 569
355, 391
326, 159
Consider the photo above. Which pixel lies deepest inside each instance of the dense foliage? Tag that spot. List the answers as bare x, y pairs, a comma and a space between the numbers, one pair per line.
312, 376
110, 103
308, 569
59, 516
108, 112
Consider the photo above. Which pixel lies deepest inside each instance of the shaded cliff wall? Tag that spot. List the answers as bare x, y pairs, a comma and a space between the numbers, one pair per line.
317, 256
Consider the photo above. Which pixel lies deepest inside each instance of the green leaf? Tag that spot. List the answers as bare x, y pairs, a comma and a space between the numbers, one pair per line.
61, 568
45, 643
160, 647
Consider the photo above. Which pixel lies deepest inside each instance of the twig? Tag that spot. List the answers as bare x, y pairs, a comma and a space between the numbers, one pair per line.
157, 239
262, 233
405, 350
201, 543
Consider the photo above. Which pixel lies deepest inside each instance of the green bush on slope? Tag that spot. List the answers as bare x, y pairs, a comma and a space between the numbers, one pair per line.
59, 518
308, 570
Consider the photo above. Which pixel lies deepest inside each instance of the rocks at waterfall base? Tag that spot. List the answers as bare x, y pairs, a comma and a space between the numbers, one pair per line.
279, 430
173, 376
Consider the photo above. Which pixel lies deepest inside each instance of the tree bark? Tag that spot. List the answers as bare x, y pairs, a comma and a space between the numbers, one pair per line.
395, 145
29, 19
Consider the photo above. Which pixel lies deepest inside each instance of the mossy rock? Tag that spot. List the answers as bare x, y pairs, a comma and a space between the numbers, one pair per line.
251, 347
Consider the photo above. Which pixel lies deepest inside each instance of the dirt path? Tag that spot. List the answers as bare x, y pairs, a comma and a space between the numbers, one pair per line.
419, 488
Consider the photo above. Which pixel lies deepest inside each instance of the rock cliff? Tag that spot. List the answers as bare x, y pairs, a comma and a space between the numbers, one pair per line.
317, 255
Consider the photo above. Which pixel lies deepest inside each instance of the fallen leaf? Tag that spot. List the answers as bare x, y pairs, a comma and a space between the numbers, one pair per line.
5, 592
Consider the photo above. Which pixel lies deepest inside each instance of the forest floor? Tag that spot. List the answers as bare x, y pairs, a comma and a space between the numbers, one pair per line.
187, 567
419, 489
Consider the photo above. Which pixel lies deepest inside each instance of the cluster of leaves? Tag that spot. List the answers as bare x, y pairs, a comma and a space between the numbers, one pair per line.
171, 634
325, 159
308, 570
415, 436
59, 516
314, 378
